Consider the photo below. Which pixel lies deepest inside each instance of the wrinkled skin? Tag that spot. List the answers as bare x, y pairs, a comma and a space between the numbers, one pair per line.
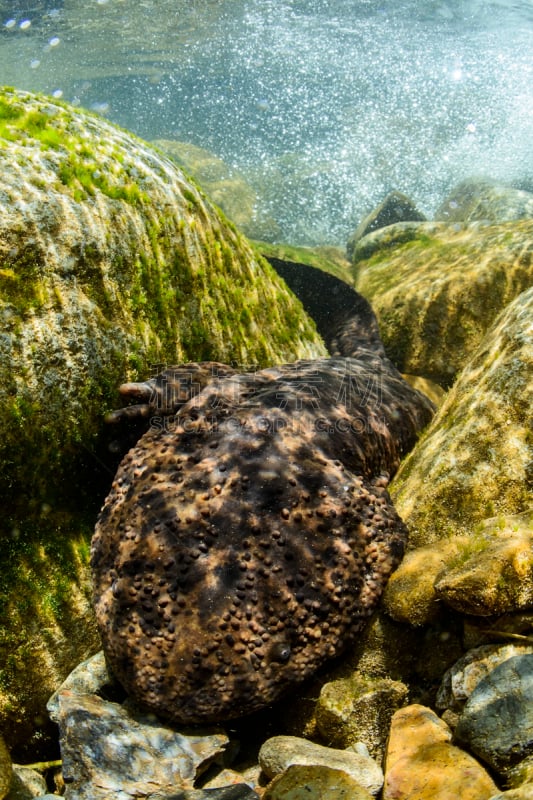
249, 534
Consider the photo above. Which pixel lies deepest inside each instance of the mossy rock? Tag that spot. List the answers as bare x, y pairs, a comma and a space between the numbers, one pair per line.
487, 573
475, 460
437, 289
112, 262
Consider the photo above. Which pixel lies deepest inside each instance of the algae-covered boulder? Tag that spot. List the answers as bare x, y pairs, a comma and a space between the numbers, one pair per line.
111, 262
325, 257
437, 289
476, 458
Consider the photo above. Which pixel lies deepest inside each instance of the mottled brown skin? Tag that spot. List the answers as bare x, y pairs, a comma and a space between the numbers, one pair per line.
249, 534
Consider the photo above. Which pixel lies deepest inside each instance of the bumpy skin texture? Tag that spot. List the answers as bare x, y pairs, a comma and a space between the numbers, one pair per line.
249, 534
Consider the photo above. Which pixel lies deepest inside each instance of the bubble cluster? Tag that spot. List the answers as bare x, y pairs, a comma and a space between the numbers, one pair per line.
325, 107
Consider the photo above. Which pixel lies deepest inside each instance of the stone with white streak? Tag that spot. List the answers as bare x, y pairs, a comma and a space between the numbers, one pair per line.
110, 751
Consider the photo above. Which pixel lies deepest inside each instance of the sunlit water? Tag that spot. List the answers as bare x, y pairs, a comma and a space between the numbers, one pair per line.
324, 105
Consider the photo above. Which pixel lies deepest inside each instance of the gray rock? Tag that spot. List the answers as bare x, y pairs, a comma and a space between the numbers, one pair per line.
109, 751
280, 752
89, 677
47, 797
460, 680
497, 721
26, 784
239, 792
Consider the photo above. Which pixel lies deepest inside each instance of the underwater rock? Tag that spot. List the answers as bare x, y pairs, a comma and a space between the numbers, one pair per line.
247, 537
281, 752
112, 751
6, 770
359, 709
315, 783
422, 762
89, 677
396, 207
497, 721
111, 261
326, 258
437, 291
26, 784
488, 572
460, 680
482, 200
493, 577
476, 458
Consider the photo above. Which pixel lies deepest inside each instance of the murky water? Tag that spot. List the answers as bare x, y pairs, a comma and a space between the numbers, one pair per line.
325, 105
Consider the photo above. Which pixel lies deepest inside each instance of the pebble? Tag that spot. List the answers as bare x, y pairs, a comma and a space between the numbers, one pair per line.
497, 721
301, 782
422, 764
280, 752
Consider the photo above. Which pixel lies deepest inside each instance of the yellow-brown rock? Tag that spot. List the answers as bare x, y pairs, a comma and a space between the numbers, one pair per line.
437, 289
410, 594
359, 709
493, 573
422, 764
314, 783
475, 460
488, 573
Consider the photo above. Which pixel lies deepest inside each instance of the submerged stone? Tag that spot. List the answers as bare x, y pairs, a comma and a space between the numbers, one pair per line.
396, 207
476, 459
423, 764
437, 290
110, 751
497, 720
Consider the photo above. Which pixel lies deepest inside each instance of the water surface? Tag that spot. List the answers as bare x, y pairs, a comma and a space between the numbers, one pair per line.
325, 106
